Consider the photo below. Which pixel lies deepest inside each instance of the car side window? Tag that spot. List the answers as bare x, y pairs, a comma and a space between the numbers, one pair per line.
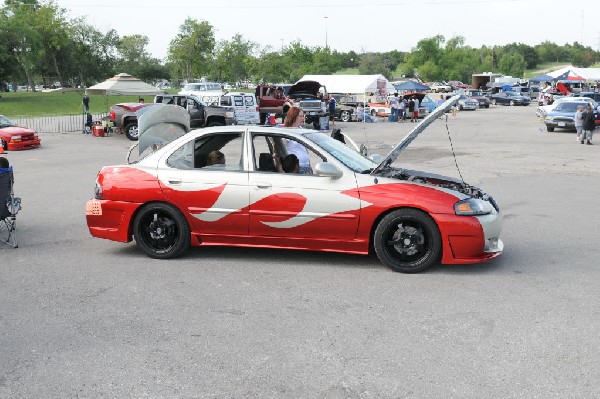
267, 148
215, 152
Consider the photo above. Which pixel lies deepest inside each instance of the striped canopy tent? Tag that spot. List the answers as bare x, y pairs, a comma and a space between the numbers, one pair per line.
568, 75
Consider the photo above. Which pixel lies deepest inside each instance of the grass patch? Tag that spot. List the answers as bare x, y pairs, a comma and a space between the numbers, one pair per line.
35, 104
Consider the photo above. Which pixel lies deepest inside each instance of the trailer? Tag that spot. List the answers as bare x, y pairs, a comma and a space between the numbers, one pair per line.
481, 80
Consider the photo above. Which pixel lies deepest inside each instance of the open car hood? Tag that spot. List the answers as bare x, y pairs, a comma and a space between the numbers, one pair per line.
393, 155
160, 124
304, 87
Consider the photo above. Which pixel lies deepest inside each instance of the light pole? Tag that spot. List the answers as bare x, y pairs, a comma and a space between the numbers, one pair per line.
326, 47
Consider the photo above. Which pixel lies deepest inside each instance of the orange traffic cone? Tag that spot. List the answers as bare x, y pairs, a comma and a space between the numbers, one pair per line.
1, 147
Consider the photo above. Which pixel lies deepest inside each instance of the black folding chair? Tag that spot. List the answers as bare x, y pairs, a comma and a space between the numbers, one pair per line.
9, 207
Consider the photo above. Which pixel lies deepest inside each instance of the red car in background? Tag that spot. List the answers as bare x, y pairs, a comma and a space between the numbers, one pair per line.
14, 138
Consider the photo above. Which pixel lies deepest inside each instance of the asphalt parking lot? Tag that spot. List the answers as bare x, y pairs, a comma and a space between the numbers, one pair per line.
85, 317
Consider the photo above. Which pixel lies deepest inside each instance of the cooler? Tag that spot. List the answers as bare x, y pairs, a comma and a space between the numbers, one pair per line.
98, 130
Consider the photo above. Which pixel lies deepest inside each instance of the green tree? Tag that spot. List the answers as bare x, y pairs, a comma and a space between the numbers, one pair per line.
512, 64
23, 40
191, 51
233, 59
374, 63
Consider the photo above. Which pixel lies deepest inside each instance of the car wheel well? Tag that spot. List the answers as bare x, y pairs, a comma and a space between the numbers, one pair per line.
380, 217
140, 207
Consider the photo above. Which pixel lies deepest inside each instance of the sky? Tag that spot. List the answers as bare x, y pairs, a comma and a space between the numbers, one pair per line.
344, 25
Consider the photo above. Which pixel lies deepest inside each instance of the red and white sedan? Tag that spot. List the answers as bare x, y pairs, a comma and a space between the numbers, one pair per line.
15, 138
175, 198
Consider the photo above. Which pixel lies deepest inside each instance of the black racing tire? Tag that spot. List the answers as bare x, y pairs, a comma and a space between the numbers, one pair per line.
460, 107
550, 128
161, 231
131, 131
345, 116
373, 112
487, 105
407, 241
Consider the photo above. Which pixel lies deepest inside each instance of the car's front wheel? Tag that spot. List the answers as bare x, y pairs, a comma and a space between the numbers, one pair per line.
494, 102
407, 241
550, 128
161, 231
511, 103
345, 116
131, 131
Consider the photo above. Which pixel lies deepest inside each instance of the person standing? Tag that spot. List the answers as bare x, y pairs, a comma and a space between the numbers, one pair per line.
332, 110
579, 121
394, 108
411, 108
416, 110
401, 110
589, 124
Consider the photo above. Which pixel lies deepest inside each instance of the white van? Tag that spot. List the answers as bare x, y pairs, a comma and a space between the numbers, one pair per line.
245, 106
202, 89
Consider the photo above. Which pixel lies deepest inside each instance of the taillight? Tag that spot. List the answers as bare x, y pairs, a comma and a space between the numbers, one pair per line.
112, 115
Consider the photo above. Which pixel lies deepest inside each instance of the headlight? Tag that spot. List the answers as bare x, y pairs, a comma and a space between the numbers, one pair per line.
15, 138
472, 207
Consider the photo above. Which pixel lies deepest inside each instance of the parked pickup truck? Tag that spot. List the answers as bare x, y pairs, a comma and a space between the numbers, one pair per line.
123, 116
201, 115
308, 95
272, 99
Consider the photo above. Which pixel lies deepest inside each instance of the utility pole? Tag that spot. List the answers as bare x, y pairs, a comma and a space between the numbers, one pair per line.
326, 46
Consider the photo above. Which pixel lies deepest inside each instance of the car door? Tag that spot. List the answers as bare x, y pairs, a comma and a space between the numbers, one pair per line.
214, 195
294, 205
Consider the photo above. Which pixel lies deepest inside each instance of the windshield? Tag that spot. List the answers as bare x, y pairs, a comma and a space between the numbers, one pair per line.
5, 122
352, 159
567, 107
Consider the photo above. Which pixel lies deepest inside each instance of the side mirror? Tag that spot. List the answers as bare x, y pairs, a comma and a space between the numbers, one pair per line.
328, 169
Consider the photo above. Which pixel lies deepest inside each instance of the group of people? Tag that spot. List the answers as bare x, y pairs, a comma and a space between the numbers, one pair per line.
403, 109
585, 123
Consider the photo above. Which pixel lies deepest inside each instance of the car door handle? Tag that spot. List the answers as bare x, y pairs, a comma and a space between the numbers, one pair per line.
174, 181
263, 185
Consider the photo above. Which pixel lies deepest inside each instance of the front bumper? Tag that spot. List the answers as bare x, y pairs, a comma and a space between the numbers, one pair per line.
560, 124
23, 145
470, 239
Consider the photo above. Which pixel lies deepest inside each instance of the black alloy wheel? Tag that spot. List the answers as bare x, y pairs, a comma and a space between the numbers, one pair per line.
161, 231
407, 241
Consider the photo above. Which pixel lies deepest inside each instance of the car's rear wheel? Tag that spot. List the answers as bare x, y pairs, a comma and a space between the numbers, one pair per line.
373, 112
161, 231
131, 131
550, 128
407, 241
345, 116
460, 107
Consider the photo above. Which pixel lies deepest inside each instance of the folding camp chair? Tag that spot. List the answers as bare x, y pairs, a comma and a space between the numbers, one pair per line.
9, 207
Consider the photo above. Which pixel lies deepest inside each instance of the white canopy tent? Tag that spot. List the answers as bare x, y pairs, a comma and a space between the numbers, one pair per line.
123, 85
354, 84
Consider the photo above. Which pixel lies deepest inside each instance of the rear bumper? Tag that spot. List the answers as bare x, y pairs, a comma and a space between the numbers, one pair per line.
110, 219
